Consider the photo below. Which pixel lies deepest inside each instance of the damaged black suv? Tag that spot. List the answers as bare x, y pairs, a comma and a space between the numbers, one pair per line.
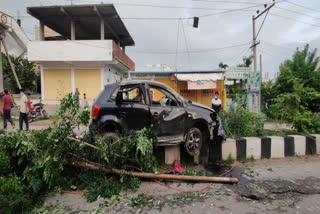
133, 105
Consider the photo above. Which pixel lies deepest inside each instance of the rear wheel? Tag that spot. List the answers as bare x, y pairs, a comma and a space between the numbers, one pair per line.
45, 114
194, 142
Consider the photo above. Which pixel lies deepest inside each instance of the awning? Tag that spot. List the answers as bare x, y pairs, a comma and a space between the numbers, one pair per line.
200, 77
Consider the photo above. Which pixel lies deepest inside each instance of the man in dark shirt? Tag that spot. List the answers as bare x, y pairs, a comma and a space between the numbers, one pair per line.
6, 103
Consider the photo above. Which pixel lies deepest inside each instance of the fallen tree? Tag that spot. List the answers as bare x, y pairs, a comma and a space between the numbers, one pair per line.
33, 163
95, 166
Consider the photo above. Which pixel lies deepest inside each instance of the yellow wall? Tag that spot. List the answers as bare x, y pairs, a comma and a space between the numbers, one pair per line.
57, 83
89, 82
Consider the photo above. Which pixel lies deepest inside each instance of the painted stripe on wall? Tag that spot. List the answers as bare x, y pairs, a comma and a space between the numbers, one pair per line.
311, 146
299, 145
265, 147
253, 147
229, 148
288, 146
277, 147
241, 148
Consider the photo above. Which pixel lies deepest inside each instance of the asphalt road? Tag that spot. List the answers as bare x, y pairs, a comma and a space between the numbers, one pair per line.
290, 185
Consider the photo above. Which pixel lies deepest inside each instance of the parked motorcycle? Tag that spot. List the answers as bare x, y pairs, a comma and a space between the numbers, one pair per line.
37, 111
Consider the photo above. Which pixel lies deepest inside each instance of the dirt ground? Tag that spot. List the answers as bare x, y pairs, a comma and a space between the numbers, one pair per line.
290, 185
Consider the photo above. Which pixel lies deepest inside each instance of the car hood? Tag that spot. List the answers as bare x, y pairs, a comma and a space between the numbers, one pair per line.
201, 106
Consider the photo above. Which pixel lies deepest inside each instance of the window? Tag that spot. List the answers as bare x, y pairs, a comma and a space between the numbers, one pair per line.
187, 93
131, 94
162, 97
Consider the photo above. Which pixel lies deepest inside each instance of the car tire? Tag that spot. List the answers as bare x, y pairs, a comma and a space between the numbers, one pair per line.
110, 137
193, 142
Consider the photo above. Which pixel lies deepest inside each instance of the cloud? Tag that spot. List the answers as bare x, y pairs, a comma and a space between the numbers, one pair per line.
216, 31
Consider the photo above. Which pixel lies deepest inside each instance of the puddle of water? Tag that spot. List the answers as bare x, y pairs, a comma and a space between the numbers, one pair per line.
217, 170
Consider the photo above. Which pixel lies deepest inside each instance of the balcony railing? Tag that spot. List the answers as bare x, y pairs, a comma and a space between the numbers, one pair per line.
122, 57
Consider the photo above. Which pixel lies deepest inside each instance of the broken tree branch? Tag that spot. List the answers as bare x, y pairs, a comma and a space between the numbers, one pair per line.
151, 175
95, 147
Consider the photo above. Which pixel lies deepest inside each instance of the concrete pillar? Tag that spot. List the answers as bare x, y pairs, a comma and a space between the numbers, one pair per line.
317, 138
172, 154
229, 149
277, 147
102, 29
253, 147
299, 144
73, 30
41, 31
124, 49
42, 83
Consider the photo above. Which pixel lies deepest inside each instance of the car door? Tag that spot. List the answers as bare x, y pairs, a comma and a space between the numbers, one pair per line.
133, 110
167, 117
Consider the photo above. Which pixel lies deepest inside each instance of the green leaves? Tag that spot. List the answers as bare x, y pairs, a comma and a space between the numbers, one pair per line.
25, 70
241, 123
295, 96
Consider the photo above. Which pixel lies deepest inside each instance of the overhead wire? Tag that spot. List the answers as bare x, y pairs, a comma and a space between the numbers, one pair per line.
296, 12
187, 47
177, 46
302, 6
190, 51
284, 17
265, 17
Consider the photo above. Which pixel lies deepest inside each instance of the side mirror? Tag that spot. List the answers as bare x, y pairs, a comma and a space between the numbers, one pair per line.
119, 98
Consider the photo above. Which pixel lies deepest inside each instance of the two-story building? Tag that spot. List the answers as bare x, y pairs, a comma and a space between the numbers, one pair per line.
87, 52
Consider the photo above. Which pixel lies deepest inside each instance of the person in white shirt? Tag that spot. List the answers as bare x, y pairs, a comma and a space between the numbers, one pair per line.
84, 102
24, 110
216, 102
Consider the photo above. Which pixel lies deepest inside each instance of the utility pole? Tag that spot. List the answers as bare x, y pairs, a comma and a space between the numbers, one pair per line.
260, 95
254, 46
255, 43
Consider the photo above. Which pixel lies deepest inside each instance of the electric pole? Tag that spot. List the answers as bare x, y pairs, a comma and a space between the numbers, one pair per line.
254, 46
260, 95
255, 43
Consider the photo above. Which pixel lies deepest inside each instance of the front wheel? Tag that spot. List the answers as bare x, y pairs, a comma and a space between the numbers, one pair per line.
110, 137
194, 142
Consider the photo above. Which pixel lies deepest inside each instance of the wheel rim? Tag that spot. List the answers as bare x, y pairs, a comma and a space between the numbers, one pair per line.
193, 143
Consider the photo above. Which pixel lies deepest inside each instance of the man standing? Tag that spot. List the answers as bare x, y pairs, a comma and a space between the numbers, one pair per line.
6, 103
23, 110
216, 102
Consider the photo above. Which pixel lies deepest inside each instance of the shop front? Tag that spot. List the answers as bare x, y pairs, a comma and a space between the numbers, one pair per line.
197, 86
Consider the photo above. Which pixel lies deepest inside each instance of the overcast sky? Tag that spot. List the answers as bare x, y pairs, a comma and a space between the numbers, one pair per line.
225, 37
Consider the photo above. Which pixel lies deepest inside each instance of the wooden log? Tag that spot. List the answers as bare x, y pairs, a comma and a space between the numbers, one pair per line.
151, 175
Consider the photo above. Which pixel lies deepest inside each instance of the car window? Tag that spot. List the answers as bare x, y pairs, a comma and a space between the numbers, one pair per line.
133, 94
160, 96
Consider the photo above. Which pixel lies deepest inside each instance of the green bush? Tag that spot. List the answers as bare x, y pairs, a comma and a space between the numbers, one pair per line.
32, 163
242, 123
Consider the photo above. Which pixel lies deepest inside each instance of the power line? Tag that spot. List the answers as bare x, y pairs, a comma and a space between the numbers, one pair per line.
303, 14
177, 46
232, 10
194, 51
177, 18
299, 5
186, 43
228, 2
272, 14
279, 46
262, 23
